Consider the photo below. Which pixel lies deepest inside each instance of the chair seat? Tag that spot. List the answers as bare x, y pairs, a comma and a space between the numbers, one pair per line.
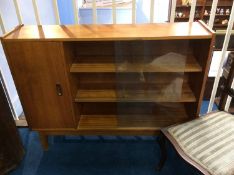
209, 141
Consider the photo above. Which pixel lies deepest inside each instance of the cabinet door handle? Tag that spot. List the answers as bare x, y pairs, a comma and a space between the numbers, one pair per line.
59, 89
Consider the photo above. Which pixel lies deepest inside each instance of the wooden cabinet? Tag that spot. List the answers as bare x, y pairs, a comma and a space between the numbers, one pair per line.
114, 79
38, 71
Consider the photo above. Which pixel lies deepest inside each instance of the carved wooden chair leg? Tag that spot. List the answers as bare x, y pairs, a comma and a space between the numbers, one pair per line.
44, 141
162, 145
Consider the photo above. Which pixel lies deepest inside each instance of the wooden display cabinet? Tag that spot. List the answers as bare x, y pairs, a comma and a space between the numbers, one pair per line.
220, 17
109, 79
183, 11
202, 11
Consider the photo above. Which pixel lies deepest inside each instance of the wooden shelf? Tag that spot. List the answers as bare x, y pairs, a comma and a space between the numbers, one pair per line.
220, 25
191, 65
186, 17
159, 94
182, 18
218, 15
220, 49
145, 124
221, 4
189, 6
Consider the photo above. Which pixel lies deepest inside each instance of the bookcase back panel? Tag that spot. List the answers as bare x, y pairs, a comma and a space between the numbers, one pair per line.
129, 48
134, 87
149, 108
132, 80
134, 56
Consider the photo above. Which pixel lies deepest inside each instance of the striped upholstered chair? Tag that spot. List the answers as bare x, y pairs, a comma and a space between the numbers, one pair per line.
207, 143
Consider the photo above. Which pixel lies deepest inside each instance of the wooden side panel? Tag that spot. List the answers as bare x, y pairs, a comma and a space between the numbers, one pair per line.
37, 67
203, 53
134, 49
69, 56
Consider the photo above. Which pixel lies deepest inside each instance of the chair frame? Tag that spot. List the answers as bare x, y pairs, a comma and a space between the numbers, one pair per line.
164, 134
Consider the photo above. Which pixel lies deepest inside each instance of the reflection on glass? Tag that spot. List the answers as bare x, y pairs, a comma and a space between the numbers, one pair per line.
149, 79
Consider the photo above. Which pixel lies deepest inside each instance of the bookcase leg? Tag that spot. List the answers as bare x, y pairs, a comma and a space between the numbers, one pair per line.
44, 141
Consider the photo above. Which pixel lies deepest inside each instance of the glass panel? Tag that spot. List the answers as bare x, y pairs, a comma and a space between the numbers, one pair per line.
137, 83
150, 80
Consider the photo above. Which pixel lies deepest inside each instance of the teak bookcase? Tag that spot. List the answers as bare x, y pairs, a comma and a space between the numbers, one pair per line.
109, 79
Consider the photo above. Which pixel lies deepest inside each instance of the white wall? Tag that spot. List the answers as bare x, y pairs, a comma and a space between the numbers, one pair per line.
215, 63
7, 10
45, 9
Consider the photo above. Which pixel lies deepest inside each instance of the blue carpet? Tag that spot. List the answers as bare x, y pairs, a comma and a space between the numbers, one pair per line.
96, 155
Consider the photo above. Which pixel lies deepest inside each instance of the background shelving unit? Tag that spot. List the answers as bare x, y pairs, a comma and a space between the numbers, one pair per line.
202, 12
220, 30
183, 11
223, 5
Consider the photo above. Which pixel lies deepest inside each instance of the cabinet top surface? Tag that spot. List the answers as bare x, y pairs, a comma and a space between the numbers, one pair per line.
182, 30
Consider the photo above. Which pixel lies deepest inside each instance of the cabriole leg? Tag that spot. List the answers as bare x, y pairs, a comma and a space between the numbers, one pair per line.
163, 156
